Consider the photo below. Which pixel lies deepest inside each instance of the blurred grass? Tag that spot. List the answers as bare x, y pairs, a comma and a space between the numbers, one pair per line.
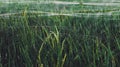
59, 8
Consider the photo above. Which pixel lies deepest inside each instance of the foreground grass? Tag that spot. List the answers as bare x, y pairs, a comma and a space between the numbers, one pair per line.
31, 40
59, 41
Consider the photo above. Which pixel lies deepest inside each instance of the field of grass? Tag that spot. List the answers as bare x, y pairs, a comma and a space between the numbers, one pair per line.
52, 7
77, 36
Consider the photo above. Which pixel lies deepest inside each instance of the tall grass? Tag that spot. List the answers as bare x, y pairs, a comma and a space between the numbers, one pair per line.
30, 40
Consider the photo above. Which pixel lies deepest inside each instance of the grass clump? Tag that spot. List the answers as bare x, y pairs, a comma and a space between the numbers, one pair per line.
32, 40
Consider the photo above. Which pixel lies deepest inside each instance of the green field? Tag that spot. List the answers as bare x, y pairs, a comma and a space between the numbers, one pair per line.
59, 35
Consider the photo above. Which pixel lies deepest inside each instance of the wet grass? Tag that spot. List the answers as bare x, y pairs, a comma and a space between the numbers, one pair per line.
31, 40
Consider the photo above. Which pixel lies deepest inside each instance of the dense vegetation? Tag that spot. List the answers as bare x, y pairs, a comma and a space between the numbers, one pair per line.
76, 8
33, 40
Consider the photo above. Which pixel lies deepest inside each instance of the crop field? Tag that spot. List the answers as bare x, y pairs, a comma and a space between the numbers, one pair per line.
69, 33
